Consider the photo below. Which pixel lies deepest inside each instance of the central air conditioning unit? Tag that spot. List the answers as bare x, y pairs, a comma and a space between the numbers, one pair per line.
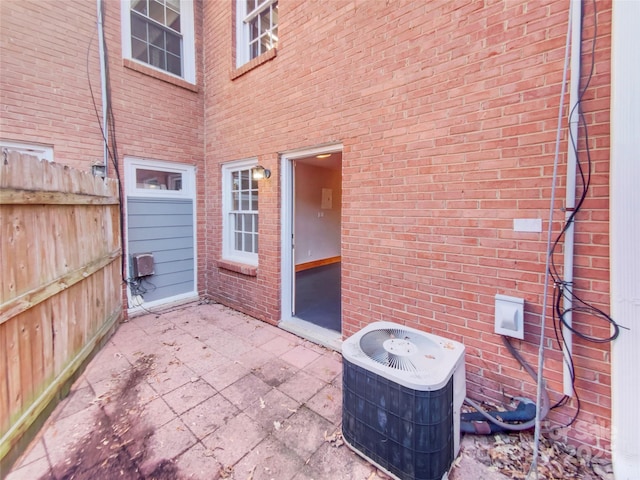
402, 394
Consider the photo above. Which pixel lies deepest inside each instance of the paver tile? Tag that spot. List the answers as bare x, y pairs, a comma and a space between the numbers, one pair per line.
235, 439
205, 418
329, 463
275, 372
36, 469
157, 413
328, 367
189, 395
300, 356
197, 355
198, 463
34, 452
269, 460
274, 407
328, 403
129, 337
261, 335
153, 324
108, 363
279, 345
62, 435
168, 376
254, 359
301, 386
224, 373
166, 443
304, 432
245, 391
229, 345
82, 397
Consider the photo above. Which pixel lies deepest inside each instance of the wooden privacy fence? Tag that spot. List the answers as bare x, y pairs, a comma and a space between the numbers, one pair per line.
60, 285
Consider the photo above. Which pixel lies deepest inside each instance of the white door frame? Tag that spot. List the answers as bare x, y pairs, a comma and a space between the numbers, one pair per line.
317, 334
131, 164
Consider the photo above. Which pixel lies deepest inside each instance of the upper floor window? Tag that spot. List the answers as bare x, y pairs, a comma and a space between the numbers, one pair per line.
257, 28
240, 210
159, 33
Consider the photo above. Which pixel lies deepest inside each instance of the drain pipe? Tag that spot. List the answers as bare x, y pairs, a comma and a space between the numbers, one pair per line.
570, 195
624, 234
103, 88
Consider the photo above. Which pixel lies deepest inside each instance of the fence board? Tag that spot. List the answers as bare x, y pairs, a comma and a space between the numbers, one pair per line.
60, 283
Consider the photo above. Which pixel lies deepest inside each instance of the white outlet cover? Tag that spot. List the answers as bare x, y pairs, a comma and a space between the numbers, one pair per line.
509, 316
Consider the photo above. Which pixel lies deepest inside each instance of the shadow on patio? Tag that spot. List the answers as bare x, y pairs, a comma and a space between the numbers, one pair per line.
203, 392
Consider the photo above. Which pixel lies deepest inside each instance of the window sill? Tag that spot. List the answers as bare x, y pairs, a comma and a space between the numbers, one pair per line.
256, 62
242, 268
165, 77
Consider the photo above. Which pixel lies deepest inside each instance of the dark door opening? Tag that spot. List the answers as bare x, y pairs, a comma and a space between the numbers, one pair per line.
318, 296
317, 229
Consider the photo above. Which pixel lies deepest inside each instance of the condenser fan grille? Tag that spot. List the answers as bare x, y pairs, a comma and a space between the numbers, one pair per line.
398, 349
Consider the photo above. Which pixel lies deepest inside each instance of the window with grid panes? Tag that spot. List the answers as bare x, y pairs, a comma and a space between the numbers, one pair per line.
240, 205
156, 37
257, 28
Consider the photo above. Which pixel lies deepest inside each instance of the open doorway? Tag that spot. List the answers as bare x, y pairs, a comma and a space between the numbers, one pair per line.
312, 212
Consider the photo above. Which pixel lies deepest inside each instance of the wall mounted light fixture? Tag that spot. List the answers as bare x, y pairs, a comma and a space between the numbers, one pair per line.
259, 172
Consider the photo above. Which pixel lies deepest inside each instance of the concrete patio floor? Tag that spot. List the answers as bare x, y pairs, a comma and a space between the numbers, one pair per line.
204, 392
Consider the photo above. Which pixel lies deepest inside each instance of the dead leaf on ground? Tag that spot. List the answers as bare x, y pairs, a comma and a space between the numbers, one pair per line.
335, 439
226, 472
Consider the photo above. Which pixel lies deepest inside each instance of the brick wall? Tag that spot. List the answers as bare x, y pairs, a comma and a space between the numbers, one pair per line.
159, 117
49, 60
447, 113
44, 86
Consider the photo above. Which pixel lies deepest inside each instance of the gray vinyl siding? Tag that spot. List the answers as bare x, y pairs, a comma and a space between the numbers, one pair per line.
164, 227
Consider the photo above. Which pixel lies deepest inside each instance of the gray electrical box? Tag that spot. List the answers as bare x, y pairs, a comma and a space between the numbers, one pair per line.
142, 264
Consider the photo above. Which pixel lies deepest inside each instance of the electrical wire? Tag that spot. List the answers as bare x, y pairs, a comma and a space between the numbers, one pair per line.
544, 400
565, 289
562, 289
111, 145
533, 470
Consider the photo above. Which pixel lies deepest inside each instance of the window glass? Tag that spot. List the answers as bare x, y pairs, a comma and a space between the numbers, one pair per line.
158, 180
240, 212
155, 34
258, 31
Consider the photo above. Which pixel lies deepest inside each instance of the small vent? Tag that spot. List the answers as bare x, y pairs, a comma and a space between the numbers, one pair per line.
398, 349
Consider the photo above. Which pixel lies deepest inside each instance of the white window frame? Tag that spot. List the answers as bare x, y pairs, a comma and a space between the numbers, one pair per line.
188, 39
229, 252
43, 152
186, 171
243, 54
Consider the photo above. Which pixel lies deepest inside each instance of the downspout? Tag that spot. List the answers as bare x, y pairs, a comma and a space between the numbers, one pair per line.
103, 89
624, 235
570, 195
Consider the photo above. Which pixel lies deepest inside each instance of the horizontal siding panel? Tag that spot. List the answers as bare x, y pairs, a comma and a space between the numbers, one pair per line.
173, 278
164, 267
170, 291
175, 220
180, 234
162, 256
163, 227
160, 245
153, 206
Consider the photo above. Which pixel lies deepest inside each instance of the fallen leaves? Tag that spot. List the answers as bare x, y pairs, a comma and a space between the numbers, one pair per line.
512, 454
335, 439
226, 472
